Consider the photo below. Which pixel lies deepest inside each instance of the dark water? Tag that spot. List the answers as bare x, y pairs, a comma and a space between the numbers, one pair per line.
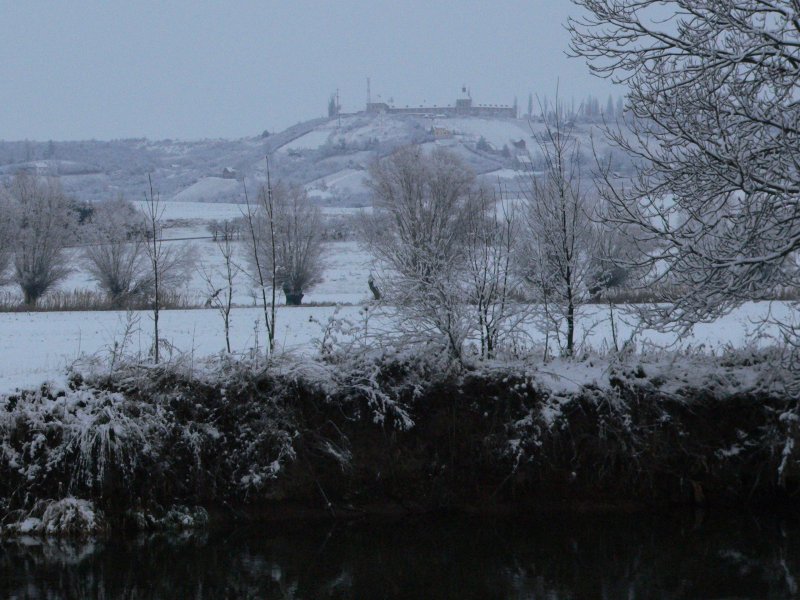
555, 557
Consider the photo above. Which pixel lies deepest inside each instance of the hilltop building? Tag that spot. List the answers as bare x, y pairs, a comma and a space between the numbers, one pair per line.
463, 106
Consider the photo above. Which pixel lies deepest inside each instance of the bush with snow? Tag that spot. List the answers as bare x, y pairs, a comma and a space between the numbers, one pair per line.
68, 517
155, 447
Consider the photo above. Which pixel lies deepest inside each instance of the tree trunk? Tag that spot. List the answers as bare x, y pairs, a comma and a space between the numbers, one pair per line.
570, 326
293, 298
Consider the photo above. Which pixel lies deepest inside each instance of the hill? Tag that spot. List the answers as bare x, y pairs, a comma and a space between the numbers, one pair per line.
327, 156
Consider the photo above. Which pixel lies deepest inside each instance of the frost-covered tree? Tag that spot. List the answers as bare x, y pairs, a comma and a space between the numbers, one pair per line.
560, 240
169, 264
221, 297
42, 221
288, 242
714, 118
490, 243
256, 226
416, 234
116, 257
7, 234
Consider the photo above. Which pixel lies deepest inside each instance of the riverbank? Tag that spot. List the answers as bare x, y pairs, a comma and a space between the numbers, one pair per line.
163, 447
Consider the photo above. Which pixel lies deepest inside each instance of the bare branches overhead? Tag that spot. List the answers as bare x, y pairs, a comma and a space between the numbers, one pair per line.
714, 107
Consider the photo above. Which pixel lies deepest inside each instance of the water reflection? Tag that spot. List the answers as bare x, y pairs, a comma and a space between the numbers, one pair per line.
554, 558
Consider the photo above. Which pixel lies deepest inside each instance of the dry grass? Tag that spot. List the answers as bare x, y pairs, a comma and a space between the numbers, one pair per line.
89, 300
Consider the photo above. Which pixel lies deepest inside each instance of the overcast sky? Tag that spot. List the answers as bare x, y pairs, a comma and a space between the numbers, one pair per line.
196, 69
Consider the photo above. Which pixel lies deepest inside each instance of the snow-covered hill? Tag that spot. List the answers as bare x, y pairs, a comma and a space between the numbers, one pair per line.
329, 157
211, 189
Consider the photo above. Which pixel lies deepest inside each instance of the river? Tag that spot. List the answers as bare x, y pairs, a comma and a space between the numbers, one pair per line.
553, 557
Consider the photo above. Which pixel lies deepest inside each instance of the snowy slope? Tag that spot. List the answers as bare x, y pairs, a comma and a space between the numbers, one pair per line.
311, 140
342, 184
497, 132
211, 189
313, 153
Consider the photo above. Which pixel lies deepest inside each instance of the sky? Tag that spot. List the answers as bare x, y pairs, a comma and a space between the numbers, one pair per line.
200, 69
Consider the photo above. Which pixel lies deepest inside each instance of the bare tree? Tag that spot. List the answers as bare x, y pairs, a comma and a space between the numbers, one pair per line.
715, 129
416, 234
169, 264
117, 258
491, 239
42, 221
8, 220
221, 298
254, 228
289, 241
299, 244
560, 240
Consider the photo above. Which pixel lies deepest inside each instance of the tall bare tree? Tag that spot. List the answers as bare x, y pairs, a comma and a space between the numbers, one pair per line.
221, 298
116, 256
416, 234
289, 241
153, 214
560, 234
42, 220
169, 264
255, 227
8, 232
714, 122
491, 241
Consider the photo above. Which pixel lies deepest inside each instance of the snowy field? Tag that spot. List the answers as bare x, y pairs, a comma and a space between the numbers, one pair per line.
35, 347
346, 266
203, 212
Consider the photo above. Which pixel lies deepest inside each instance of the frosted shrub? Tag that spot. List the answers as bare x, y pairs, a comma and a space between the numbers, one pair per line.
68, 517
77, 440
389, 382
116, 436
229, 427
71, 516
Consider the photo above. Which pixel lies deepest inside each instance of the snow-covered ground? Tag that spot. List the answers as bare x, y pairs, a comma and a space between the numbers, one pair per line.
197, 211
313, 139
210, 189
39, 346
496, 132
344, 183
344, 278
35, 347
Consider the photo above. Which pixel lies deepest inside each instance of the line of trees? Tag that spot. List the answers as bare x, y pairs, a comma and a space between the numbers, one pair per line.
123, 251
458, 262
